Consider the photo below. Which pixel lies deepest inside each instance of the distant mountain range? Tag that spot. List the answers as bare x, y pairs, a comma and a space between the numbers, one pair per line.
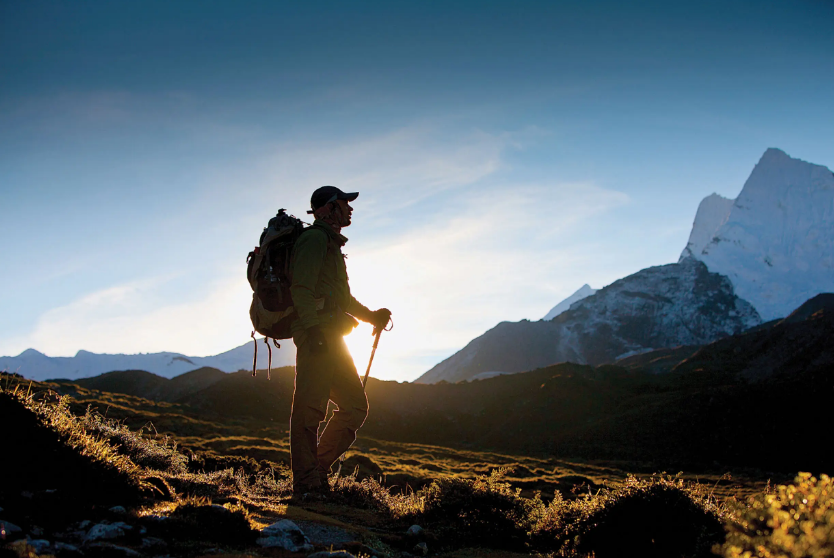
37, 366
734, 401
747, 260
750, 259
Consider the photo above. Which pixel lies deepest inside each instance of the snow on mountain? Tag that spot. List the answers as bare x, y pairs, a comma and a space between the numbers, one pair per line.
37, 366
658, 307
776, 241
712, 214
583, 292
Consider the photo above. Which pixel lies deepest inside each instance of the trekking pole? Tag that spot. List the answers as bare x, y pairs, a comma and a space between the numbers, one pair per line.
377, 332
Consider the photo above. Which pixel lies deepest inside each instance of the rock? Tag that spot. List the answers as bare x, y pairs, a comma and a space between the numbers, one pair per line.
41, 546
284, 534
421, 549
118, 510
111, 550
84, 524
331, 554
414, 531
61, 547
153, 543
103, 531
10, 531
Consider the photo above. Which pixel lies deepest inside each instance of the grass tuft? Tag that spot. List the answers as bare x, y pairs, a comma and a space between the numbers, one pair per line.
659, 516
792, 521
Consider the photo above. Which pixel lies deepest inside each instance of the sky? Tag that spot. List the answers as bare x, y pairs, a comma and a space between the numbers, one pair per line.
506, 153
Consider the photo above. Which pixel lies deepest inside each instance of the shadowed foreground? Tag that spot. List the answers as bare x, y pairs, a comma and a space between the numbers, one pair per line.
70, 470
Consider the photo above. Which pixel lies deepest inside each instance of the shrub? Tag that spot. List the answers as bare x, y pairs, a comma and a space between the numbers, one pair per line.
485, 510
652, 517
199, 519
795, 520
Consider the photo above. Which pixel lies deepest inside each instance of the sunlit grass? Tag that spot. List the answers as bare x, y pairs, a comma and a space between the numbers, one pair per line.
462, 498
792, 521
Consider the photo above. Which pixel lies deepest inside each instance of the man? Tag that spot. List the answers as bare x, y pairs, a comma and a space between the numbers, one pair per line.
324, 369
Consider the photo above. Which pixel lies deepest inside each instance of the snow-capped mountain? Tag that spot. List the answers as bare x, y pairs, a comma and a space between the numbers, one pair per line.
664, 306
583, 292
37, 366
775, 241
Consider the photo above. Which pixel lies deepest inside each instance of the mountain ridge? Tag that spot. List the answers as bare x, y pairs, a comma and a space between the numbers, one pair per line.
37, 366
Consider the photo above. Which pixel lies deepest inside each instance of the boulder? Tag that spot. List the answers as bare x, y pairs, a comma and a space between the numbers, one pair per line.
104, 531
111, 550
65, 548
284, 534
153, 543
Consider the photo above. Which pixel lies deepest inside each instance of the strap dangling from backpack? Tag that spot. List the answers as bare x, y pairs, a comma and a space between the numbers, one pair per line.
255, 359
269, 349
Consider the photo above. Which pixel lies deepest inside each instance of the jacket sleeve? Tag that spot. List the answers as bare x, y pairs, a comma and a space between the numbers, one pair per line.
307, 260
358, 310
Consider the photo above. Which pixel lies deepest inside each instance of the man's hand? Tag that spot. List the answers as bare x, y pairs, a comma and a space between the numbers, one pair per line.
379, 318
316, 341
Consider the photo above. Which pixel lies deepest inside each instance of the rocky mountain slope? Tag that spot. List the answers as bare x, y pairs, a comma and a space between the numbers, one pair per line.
775, 241
658, 307
37, 366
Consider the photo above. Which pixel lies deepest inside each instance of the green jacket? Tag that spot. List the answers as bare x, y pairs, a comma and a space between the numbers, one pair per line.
320, 290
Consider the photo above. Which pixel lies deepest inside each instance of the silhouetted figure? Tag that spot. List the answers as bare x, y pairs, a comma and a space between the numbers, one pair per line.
324, 368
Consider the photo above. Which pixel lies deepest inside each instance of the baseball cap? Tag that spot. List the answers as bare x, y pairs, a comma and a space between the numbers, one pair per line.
326, 194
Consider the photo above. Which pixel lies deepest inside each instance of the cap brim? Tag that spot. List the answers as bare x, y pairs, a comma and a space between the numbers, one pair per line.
349, 196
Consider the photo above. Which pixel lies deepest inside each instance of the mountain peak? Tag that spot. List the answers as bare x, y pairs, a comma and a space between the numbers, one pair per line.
31, 353
583, 292
774, 154
774, 241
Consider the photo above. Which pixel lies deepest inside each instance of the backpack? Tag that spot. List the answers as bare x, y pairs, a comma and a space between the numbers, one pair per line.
269, 275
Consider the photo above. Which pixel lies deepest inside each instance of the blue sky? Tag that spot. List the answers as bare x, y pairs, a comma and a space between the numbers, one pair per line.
505, 153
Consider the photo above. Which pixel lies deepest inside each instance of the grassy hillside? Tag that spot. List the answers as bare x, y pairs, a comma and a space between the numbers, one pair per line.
189, 502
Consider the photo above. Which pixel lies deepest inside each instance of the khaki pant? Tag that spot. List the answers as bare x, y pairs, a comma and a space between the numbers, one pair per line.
319, 379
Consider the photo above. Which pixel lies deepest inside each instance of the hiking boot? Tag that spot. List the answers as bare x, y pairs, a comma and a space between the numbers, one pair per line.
310, 494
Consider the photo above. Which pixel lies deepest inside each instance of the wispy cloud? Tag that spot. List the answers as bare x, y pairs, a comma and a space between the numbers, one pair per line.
439, 238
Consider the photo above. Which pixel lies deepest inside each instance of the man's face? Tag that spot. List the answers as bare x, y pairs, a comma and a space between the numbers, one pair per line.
345, 211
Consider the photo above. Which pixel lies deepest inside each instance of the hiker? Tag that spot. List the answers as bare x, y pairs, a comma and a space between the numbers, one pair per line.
324, 369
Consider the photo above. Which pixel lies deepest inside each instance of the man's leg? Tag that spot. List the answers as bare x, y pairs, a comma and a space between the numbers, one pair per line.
347, 393
312, 391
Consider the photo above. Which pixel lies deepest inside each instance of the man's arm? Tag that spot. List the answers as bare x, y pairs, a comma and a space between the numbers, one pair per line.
359, 310
308, 257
